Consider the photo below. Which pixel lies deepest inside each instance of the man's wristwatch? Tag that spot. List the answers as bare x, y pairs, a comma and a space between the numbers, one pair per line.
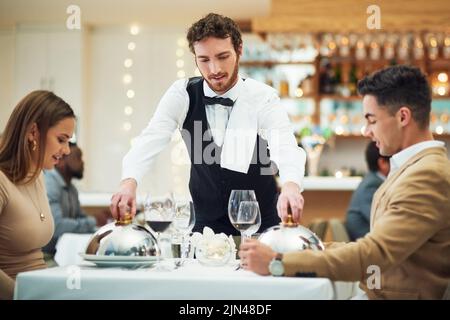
276, 267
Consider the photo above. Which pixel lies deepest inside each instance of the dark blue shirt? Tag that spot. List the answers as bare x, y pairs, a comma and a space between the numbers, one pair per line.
358, 213
66, 209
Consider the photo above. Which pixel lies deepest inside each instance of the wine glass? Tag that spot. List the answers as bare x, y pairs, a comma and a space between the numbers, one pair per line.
254, 227
157, 220
236, 197
159, 214
245, 221
313, 146
184, 221
158, 217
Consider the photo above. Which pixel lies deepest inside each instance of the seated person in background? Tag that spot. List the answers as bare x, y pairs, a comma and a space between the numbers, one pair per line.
64, 202
358, 214
36, 136
406, 254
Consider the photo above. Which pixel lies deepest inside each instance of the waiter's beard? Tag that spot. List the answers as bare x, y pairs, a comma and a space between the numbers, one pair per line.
224, 87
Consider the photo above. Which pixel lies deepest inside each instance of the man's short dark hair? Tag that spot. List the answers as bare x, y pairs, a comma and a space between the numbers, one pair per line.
398, 86
214, 25
372, 155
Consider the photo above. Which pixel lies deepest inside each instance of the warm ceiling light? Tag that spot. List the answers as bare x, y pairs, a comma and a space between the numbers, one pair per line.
442, 77
127, 78
181, 42
433, 42
128, 110
180, 52
447, 41
363, 130
128, 63
130, 94
339, 130
441, 91
180, 63
439, 130
131, 46
134, 30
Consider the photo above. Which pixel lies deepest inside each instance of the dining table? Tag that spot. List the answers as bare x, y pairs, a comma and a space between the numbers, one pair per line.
190, 281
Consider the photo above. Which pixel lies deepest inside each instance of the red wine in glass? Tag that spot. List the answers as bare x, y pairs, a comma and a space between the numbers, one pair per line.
159, 225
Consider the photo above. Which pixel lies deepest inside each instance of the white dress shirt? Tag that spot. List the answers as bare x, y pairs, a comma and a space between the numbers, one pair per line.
381, 176
400, 158
256, 111
217, 114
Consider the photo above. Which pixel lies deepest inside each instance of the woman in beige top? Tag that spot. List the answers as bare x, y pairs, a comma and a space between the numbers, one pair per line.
35, 138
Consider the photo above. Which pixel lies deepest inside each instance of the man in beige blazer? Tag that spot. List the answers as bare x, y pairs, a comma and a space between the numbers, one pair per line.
408, 245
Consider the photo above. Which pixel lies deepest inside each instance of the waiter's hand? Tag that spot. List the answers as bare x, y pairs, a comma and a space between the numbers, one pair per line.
290, 196
125, 199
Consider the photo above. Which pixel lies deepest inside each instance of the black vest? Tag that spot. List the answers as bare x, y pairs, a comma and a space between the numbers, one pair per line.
210, 185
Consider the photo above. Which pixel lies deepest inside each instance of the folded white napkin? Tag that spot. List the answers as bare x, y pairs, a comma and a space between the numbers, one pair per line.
218, 245
242, 128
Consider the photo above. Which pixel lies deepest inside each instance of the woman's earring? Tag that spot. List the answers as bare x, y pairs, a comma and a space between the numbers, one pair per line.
34, 145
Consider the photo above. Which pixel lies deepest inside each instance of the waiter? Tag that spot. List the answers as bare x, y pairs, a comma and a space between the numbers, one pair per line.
229, 124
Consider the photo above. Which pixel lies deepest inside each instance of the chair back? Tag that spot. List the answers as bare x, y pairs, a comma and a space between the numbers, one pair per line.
338, 231
319, 227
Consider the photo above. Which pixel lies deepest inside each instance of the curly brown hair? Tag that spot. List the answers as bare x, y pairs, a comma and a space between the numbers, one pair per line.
214, 25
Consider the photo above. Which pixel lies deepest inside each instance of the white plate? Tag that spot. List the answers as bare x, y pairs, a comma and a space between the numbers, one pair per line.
120, 261
125, 264
93, 258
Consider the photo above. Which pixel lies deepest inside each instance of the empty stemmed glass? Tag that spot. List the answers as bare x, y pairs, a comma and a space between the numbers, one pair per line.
184, 221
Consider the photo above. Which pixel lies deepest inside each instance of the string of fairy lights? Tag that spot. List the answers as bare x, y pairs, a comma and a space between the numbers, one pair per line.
129, 90
182, 47
127, 79
180, 156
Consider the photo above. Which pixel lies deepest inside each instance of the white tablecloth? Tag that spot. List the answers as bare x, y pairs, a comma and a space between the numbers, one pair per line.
191, 282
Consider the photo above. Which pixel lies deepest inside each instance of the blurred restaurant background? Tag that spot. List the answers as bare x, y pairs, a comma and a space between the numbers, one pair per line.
115, 68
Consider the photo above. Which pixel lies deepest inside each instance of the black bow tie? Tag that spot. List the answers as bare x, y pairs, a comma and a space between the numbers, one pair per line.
218, 100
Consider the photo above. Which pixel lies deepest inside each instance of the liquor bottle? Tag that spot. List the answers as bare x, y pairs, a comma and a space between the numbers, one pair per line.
337, 80
326, 79
353, 80
269, 80
446, 49
307, 85
284, 87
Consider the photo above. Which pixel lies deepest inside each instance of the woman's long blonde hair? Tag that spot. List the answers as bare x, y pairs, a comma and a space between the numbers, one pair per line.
43, 108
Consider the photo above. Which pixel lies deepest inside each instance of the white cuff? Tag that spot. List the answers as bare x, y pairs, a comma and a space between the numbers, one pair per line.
292, 177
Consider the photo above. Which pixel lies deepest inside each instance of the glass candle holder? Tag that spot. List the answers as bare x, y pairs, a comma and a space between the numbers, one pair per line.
214, 253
